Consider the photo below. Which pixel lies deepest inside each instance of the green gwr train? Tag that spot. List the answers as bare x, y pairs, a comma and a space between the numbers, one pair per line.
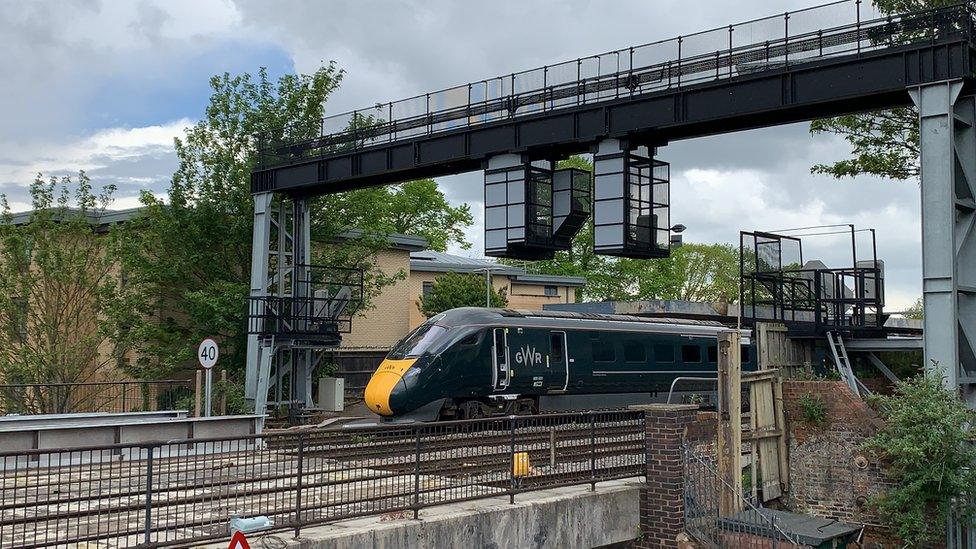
474, 362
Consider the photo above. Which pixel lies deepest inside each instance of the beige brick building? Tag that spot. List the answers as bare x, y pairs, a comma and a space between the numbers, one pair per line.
396, 310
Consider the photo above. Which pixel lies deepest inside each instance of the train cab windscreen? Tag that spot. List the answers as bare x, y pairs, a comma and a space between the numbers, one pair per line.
418, 342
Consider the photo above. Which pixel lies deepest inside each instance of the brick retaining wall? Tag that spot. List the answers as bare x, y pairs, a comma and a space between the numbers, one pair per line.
830, 476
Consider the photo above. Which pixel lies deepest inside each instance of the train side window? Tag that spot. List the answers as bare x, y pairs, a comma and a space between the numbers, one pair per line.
634, 351
745, 353
690, 353
663, 353
713, 353
603, 352
556, 344
470, 340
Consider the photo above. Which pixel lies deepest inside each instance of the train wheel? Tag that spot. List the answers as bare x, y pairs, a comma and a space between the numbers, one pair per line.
471, 409
526, 407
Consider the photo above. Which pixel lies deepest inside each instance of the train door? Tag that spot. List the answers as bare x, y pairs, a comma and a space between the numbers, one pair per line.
558, 364
501, 372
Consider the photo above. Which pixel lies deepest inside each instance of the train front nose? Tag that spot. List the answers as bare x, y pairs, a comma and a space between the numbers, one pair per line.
386, 381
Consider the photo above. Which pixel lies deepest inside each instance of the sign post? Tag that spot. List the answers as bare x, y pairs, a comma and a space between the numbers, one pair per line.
207, 354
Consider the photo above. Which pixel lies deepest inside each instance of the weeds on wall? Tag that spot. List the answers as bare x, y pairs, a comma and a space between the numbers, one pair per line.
813, 410
926, 444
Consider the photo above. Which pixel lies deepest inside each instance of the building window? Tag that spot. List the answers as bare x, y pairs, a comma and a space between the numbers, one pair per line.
552, 291
428, 287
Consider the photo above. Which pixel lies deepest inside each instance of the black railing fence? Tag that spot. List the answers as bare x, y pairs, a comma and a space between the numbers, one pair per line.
176, 492
847, 27
325, 300
101, 396
751, 527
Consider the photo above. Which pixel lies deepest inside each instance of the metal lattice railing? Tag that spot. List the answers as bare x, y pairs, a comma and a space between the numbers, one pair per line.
99, 396
179, 492
751, 527
847, 27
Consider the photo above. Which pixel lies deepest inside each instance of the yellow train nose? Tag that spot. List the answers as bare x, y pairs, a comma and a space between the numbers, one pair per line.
381, 384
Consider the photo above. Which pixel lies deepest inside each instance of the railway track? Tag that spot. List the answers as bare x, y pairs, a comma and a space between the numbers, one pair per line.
340, 474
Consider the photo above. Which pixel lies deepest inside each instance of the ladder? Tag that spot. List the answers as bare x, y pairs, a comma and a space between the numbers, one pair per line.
843, 363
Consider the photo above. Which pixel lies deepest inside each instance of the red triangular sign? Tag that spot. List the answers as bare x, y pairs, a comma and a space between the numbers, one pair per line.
238, 541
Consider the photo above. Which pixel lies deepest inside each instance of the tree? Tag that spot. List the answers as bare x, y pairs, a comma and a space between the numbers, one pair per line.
452, 290
925, 441
693, 272
420, 208
57, 286
916, 311
190, 254
883, 143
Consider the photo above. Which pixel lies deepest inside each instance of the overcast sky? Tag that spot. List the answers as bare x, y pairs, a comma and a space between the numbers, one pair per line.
105, 86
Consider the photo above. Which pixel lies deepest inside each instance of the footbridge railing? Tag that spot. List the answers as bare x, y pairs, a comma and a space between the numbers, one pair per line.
846, 27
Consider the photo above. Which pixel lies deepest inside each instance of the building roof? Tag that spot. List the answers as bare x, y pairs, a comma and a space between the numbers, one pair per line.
101, 219
440, 262
111, 217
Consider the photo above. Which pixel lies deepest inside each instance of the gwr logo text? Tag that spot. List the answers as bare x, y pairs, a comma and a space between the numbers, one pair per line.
528, 356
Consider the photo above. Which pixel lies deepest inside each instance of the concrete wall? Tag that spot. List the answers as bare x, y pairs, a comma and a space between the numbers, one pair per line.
561, 517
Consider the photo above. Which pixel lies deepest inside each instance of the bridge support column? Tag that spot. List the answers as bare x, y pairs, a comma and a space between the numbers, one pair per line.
260, 246
948, 186
281, 231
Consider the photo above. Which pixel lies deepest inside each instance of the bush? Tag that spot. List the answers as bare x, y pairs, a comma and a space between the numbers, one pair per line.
925, 441
452, 290
813, 410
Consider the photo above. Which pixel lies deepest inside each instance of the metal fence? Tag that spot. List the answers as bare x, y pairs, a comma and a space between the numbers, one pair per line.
847, 27
960, 527
103, 396
748, 528
178, 492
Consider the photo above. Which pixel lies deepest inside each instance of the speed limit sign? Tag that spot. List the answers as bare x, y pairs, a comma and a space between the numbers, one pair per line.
207, 353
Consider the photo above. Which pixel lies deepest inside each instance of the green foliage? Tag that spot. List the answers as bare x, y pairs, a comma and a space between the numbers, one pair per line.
325, 369
233, 391
916, 311
417, 208
925, 440
813, 409
747, 478
188, 256
883, 143
57, 285
453, 290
